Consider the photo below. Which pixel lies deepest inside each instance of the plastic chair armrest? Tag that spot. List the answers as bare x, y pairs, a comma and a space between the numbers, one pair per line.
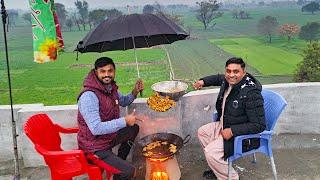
66, 130
79, 154
238, 140
215, 116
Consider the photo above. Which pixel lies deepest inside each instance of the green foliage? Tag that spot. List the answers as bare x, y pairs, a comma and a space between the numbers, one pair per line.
148, 9
301, 2
83, 10
310, 31
82, 7
267, 26
112, 13
311, 7
240, 14
97, 16
309, 68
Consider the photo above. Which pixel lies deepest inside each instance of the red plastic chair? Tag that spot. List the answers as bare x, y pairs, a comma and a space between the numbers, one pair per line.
63, 164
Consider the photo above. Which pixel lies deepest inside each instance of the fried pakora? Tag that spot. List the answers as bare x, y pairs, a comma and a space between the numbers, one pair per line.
160, 104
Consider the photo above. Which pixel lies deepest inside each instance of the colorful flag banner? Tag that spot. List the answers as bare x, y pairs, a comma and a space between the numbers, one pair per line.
58, 28
58, 31
44, 31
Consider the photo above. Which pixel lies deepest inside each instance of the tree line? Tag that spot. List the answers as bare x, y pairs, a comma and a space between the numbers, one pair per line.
81, 18
268, 26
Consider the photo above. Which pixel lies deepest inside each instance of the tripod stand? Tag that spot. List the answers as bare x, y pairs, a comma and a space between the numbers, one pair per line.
14, 133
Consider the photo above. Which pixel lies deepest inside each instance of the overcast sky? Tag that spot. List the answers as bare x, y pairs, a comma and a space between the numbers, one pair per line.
24, 4
93, 4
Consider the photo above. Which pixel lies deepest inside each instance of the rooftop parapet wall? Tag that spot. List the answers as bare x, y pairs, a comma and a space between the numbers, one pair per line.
301, 116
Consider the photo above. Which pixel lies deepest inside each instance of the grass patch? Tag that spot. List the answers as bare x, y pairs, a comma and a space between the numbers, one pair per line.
267, 59
193, 59
59, 82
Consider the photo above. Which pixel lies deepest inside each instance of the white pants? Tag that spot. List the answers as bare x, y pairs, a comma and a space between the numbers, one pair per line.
212, 143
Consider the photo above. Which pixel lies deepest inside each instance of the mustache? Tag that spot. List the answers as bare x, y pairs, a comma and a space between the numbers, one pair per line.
107, 77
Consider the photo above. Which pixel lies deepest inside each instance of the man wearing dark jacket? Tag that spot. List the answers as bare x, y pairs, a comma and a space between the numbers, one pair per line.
240, 111
100, 125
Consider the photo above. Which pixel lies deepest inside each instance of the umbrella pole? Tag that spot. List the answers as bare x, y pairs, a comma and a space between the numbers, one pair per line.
137, 65
172, 77
135, 55
14, 133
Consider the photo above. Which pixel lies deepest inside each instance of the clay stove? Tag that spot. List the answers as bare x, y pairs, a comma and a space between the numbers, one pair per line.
162, 169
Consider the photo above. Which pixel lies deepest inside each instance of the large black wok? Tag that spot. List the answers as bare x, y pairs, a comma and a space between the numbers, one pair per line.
163, 137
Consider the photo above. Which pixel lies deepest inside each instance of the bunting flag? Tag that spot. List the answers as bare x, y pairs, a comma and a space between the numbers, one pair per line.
58, 28
58, 31
45, 43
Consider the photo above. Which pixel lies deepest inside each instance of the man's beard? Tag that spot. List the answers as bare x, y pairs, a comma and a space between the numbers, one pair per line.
110, 80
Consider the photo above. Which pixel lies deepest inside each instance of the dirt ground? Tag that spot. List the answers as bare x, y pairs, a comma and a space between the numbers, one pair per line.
291, 164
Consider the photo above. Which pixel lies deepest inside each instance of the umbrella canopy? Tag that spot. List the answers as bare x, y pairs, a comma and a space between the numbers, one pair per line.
131, 31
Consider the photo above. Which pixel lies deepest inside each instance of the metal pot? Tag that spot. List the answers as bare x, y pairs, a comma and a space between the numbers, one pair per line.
173, 89
168, 137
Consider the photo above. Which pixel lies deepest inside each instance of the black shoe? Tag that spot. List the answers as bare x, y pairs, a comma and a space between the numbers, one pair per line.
209, 174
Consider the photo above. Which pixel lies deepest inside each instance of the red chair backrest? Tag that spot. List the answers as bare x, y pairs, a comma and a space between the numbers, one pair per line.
41, 130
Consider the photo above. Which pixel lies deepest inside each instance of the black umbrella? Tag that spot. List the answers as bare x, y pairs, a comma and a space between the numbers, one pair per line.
131, 32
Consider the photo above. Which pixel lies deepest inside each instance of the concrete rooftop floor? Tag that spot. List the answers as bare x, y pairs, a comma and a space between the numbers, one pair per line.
291, 164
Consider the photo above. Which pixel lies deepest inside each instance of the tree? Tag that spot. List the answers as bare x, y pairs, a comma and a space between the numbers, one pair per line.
13, 16
83, 12
247, 15
289, 30
235, 13
311, 7
75, 19
159, 10
242, 14
69, 23
301, 2
309, 68
177, 18
112, 13
97, 16
61, 12
267, 26
148, 9
207, 12
310, 32
27, 17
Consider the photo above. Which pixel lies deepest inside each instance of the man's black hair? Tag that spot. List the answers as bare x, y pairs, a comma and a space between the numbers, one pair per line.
236, 60
103, 61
